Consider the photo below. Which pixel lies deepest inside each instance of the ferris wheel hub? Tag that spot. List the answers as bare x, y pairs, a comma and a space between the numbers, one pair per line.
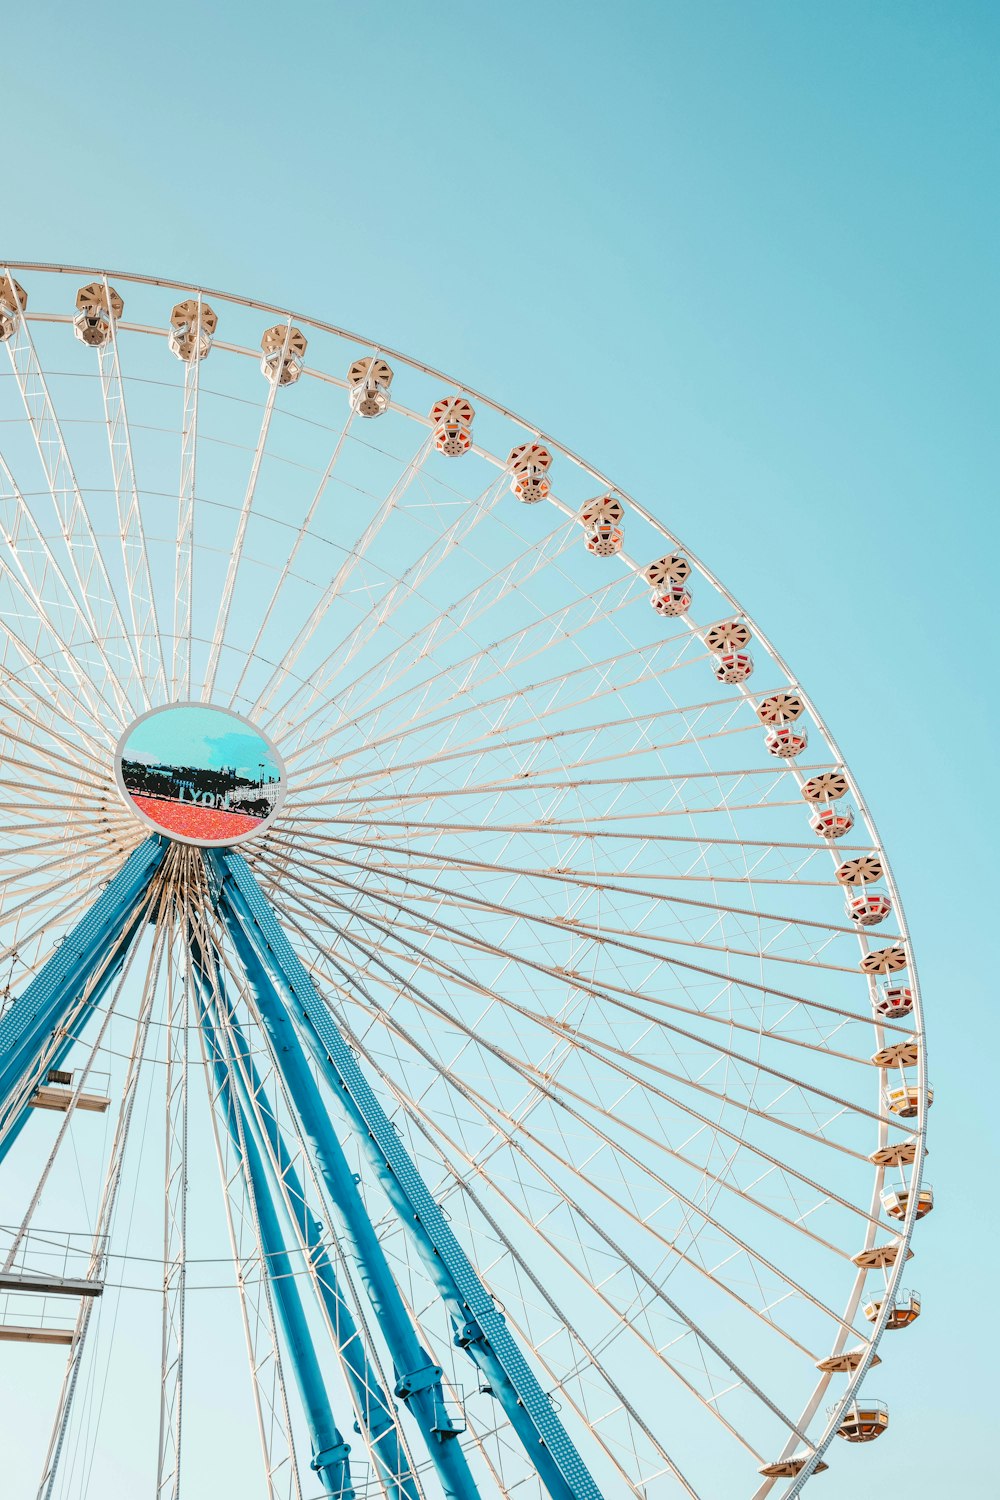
199, 774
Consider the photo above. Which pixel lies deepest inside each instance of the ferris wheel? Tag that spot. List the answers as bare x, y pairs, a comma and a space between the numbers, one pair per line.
459, 1036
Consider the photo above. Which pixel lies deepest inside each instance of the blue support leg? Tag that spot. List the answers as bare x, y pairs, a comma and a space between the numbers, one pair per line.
375, 1412
277, 974
418, 1378
93, 954
330, 1452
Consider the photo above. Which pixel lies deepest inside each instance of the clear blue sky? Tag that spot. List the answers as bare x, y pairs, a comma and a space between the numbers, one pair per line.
743, 255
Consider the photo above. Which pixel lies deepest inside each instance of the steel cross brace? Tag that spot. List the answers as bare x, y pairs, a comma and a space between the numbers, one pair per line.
91, 954
480, 1328
374, 1410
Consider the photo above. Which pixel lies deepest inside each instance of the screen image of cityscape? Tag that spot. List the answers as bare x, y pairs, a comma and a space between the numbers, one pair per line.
198, 737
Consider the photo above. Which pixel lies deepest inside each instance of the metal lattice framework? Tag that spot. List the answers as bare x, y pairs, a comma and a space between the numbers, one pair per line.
537, 1106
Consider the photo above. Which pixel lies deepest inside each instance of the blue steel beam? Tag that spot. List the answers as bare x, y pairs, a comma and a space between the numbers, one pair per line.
418, 1378
375, 1412
330, 1452
92, 953
480, 1328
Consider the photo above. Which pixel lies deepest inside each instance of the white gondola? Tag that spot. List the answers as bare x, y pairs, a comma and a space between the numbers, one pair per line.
97, 307
832, 822
13, 302
785, 742
192, 328
734, 666
869, 908
863, 1420
368, 382
884, 960
903, 1100
729, 635
896, 1201
528, 465
903, 1311
605, 540
283, 354
893, 1001
452, 419
671, 599
828, 786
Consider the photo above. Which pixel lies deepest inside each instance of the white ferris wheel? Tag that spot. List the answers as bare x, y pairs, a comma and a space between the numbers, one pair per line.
459, 1035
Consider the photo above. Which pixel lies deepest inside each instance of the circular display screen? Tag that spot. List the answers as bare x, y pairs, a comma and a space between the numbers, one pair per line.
200, 775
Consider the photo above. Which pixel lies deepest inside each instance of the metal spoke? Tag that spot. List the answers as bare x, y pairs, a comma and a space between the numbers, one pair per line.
139, 589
